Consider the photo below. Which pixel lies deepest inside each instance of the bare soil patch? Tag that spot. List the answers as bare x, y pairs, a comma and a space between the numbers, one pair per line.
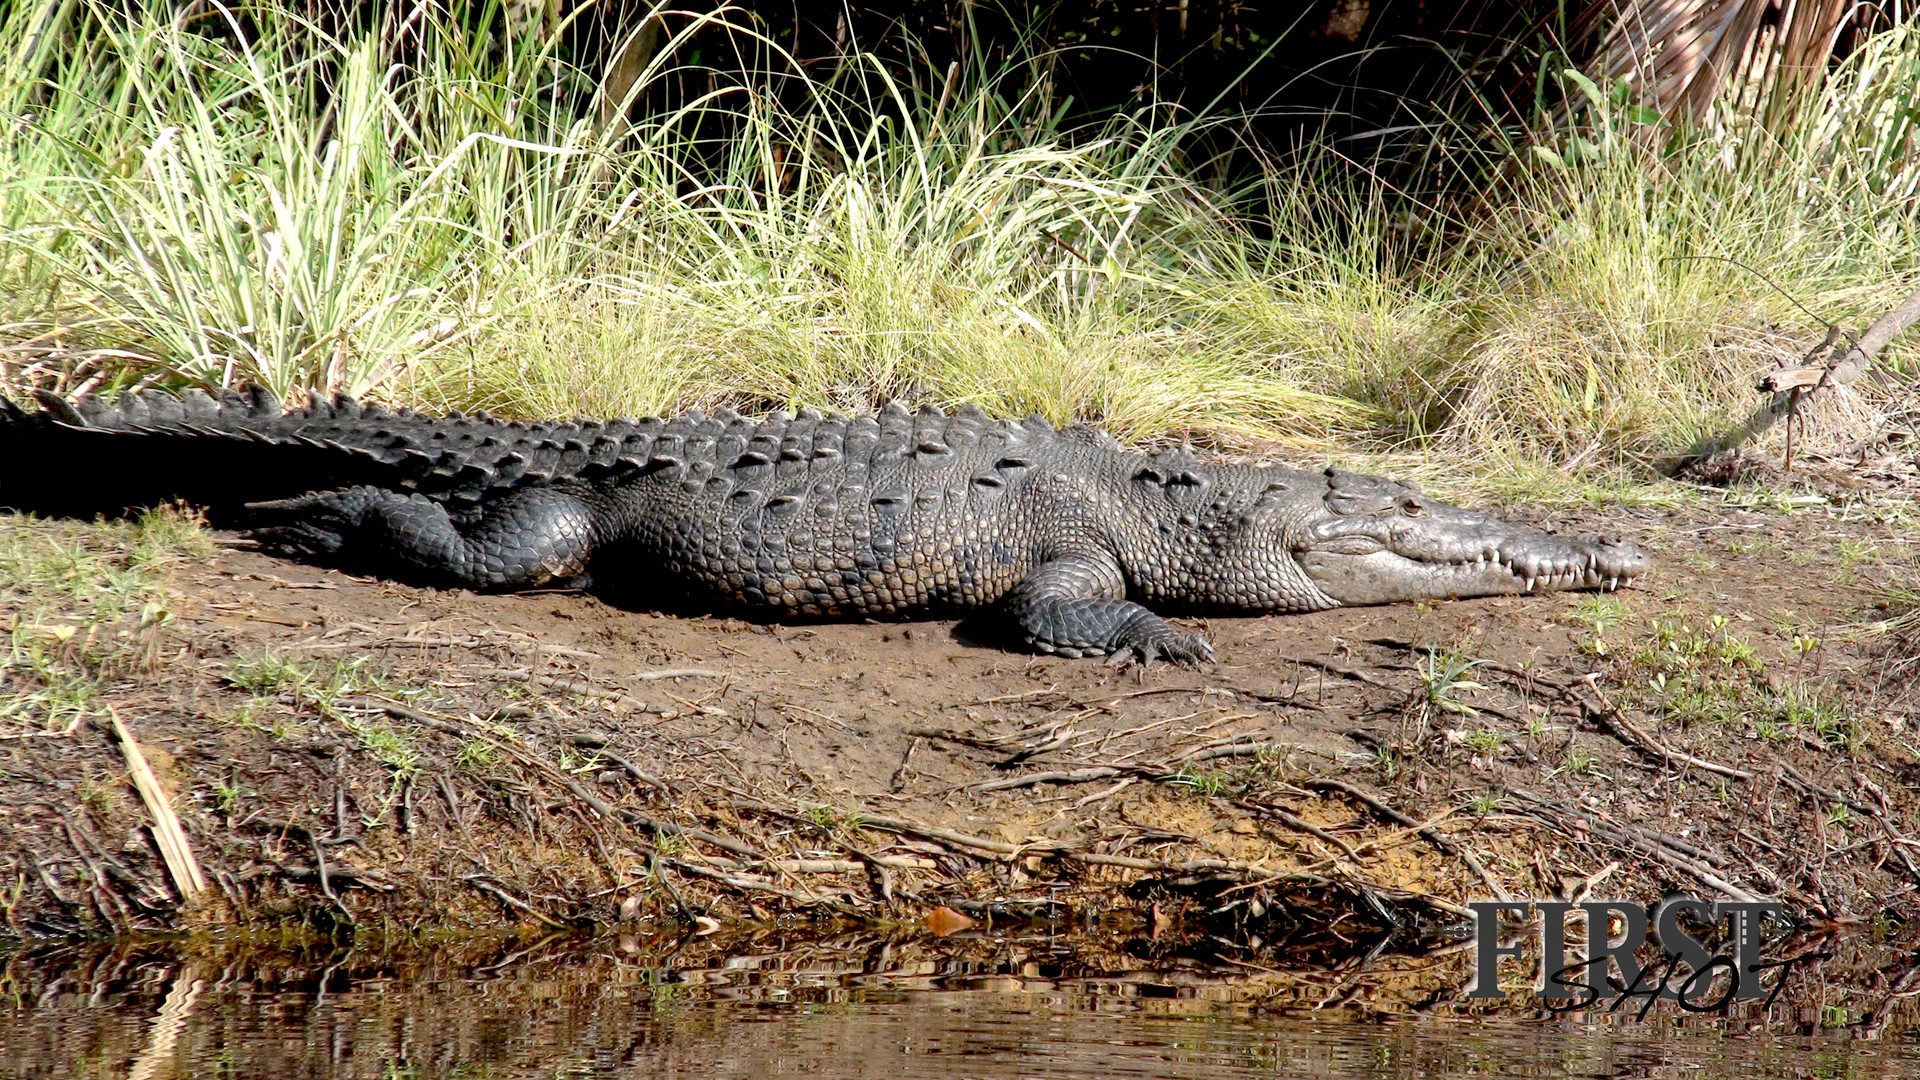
345, 752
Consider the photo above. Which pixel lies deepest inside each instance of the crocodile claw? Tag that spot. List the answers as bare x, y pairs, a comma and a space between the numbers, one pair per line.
1161, 643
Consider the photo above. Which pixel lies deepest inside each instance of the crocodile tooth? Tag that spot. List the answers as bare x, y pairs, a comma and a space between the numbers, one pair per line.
1530, 582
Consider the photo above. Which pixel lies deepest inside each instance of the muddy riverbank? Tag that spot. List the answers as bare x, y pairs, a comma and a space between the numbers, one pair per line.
347, 755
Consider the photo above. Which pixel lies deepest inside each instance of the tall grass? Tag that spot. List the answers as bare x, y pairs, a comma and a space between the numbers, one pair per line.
224, 213
458, 227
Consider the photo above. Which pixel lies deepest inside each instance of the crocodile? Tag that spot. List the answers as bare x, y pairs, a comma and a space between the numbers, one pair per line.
1077, 543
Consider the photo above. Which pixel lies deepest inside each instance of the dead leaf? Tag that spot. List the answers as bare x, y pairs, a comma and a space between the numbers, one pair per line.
943, 920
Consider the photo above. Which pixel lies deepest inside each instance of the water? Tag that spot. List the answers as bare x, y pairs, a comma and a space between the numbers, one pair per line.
615, 1008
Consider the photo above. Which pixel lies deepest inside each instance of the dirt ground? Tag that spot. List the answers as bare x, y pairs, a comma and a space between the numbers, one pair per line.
345, 752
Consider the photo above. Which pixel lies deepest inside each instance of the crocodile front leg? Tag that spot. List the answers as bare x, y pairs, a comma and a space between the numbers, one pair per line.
1077, 606
529, 538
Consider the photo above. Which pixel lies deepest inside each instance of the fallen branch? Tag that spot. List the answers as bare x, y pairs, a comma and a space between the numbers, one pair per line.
1070, 776
949, 836
460, 730
572, 686
722, 842
1609, 716
629, 767
828, 866
1789, 386
1002, 851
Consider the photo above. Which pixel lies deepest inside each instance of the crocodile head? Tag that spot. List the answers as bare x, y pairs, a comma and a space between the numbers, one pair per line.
1376, 541
1276, 539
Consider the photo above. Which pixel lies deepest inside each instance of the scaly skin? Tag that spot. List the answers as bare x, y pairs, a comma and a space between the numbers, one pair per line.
812, 516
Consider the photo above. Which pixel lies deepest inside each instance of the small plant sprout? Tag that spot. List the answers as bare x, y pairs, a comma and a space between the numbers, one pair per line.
1485, 740
1442, 675
1385, 760
1599, 614
476, 755
92, 793
1579, 761
1206, 784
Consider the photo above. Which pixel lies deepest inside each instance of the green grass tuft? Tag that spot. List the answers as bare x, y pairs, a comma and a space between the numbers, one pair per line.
80, 606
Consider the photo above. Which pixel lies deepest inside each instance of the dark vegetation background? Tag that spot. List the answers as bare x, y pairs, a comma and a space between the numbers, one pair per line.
1392, 83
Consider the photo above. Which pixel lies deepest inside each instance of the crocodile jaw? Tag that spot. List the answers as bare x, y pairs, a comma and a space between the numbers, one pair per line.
1454, 553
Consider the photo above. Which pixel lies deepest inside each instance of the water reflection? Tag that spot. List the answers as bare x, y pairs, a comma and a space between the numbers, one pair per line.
860, 1006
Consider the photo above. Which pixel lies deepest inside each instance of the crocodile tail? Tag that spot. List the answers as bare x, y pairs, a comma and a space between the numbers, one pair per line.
95, 454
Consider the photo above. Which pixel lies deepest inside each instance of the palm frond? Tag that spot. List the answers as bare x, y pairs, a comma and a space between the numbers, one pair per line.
1687, 51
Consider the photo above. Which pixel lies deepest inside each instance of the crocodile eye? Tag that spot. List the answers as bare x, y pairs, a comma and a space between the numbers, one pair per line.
1411, 507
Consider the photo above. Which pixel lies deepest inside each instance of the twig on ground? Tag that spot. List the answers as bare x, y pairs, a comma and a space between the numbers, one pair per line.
753, 884
1106, 794
1298, 825
326, 880
635, 771
174, 849
1159, 772
1069, 776
899, 779
479, 882
1439, 839
946, 836
1627, 836
569, 686
1355, 674
1630, 733
722, 842
1610, 717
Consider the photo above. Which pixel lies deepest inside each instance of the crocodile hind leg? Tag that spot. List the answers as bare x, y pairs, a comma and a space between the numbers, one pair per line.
1077, 606
528, 538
